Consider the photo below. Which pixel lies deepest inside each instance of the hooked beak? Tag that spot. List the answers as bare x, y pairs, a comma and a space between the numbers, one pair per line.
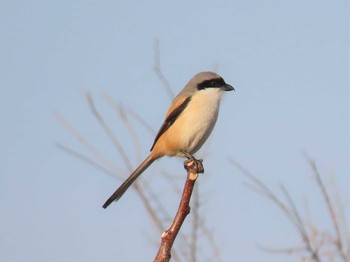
227, 87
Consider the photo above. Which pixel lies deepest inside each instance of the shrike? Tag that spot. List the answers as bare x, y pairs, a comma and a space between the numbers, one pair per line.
188, 123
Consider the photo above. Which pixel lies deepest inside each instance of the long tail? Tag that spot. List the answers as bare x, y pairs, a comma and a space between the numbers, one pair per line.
128, 182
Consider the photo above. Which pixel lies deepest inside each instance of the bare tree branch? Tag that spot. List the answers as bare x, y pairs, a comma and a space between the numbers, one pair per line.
158, 70
339, 239
108, 131
291, 250
216, 250
169, 236
289, 209
301, 227
124, 118
83, 141
144, 123
87, 160
259, 187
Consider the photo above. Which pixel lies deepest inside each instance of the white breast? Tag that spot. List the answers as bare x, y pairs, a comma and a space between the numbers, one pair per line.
198, 119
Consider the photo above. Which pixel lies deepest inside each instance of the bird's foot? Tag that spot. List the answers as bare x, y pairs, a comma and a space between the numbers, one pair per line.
195, 165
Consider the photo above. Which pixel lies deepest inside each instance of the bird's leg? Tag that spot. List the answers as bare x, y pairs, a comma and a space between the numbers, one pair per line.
198, 166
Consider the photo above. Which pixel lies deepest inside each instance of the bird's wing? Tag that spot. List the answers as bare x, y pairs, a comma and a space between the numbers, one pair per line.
173, 113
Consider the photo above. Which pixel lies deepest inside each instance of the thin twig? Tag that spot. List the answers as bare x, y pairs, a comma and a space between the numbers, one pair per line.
83, 141
291, 210
108, 131
158, 70
339, 243
259, 187
216, 250
87, 160
144, 123
124, 118
301, 227
291, 250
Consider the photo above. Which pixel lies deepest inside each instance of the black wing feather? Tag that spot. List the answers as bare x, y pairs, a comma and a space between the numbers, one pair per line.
171, 119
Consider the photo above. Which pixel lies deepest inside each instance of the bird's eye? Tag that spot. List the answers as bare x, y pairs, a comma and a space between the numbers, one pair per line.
214, 83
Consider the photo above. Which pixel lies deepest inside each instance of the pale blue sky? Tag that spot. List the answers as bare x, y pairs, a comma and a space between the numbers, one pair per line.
289, 63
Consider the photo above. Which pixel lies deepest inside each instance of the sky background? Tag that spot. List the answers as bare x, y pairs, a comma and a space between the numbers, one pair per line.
289, 64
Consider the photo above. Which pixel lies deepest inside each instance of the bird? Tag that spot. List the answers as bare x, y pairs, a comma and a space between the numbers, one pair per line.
188, 123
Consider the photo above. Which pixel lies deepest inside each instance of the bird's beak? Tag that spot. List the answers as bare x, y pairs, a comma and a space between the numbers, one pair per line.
227, 87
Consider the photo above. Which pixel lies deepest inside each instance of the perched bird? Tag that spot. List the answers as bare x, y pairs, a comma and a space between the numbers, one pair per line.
188, 123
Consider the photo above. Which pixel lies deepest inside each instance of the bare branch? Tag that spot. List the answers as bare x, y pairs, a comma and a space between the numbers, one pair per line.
211, 240
300, 225
124, 118
291, 250
87, 160
144, 123
290, 210
169, 236
108, 131
158, 70
339, 240
83, 141
259, 187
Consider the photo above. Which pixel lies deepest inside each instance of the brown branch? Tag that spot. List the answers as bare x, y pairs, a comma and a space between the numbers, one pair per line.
193, 167
331, 210
288, 208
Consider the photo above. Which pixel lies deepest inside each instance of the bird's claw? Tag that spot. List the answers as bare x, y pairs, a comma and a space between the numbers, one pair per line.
193, 164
